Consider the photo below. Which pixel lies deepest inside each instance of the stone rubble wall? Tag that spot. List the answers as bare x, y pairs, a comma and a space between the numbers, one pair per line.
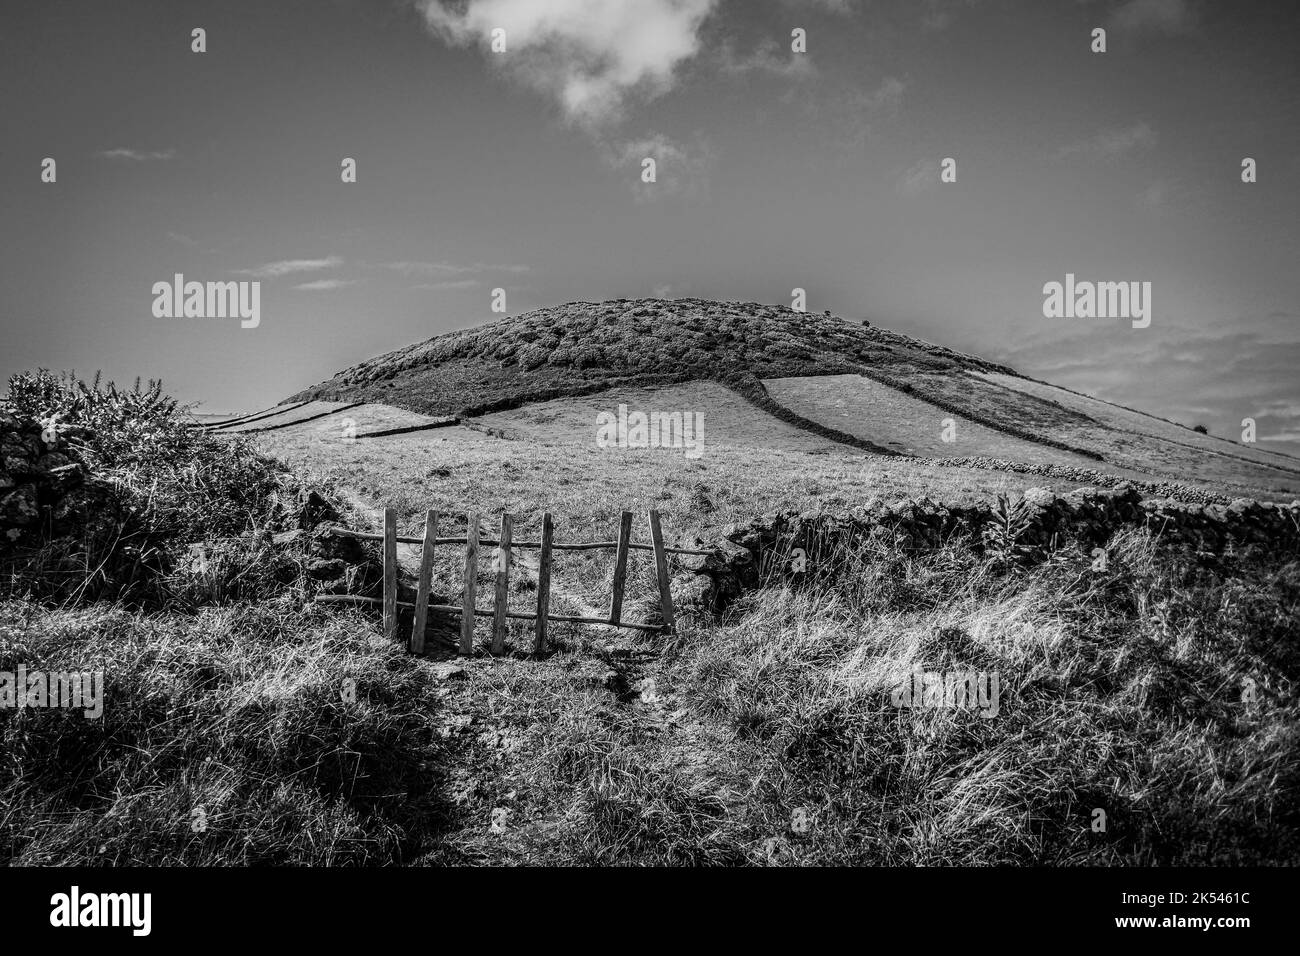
1086, 518
40, 473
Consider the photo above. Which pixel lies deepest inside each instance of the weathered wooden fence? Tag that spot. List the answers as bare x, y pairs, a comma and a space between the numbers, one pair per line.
505, 545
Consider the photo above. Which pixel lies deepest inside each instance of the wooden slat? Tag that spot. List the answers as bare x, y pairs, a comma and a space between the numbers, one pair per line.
544, 584
471, 580
424, 583
503, 587
390, 573
531, 545
485, 612
661, 570
620, 567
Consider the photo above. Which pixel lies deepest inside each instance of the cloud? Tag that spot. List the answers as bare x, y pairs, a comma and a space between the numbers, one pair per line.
847, 115
886, 97
1163, 193
137, 155
1152, 16
833, 6
919, 177
940, 14
680, 170
591, 56
325, 285
1112, 144
1213, 377
768, 57
449, 268
448, 285
274, 270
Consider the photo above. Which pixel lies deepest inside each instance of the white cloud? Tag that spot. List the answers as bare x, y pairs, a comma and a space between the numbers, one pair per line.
1112, 144
1161, 193
274, 270
833, 6
886, 97
449, 268
137, 155
919, 177
325, 285
1152, 16
679, 169
767, 57
590, 56
940, 14
448, 286
849, 114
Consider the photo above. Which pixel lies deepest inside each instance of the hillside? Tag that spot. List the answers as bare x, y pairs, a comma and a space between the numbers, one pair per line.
810, 381
247, 723
581, 347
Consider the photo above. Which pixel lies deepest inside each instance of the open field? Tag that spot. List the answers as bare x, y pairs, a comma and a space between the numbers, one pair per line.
458, 470
765, 733
1126, 436
729, 420
908, 424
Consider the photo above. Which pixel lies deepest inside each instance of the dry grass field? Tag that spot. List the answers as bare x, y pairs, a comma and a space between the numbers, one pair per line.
904, 422
1130, 437
764, 735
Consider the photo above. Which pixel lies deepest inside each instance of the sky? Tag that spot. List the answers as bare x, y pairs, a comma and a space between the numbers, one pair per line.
521, 169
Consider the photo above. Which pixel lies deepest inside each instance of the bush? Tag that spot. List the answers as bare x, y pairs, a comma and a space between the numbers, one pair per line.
155, 484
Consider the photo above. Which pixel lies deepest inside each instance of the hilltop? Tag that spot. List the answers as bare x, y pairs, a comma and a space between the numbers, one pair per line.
246, 723
580, 347
808, 376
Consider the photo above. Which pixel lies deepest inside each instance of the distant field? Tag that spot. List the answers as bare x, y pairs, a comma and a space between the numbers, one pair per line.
455, 469
331, 420
1130, 438
458, 470
910, 425
729, 420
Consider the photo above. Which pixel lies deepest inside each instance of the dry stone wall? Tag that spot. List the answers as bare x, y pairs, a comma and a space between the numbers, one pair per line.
1042, 521
40, 475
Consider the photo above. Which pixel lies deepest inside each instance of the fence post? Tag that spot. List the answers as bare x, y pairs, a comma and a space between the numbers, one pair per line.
544, 584
390, 573
471, 580
424, 583
620, 567
661, 571
503, 586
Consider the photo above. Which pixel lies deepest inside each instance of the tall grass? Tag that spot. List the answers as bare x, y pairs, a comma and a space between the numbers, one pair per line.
155, 487
1121, 691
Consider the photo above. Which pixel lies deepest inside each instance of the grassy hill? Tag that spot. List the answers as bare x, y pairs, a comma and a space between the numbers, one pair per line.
243, 723
809, 380
581, 347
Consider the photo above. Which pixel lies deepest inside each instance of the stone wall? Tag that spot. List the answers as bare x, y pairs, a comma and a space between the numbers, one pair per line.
40, 474
1039, 523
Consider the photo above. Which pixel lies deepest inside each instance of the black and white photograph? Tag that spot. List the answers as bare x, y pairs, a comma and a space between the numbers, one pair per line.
676, 445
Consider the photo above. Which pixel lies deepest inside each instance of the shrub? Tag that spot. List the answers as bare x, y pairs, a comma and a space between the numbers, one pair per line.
155, 485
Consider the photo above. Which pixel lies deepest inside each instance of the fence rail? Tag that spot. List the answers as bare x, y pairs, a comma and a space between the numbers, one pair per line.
506, 546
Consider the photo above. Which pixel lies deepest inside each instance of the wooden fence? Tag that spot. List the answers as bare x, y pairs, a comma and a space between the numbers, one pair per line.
505, 545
